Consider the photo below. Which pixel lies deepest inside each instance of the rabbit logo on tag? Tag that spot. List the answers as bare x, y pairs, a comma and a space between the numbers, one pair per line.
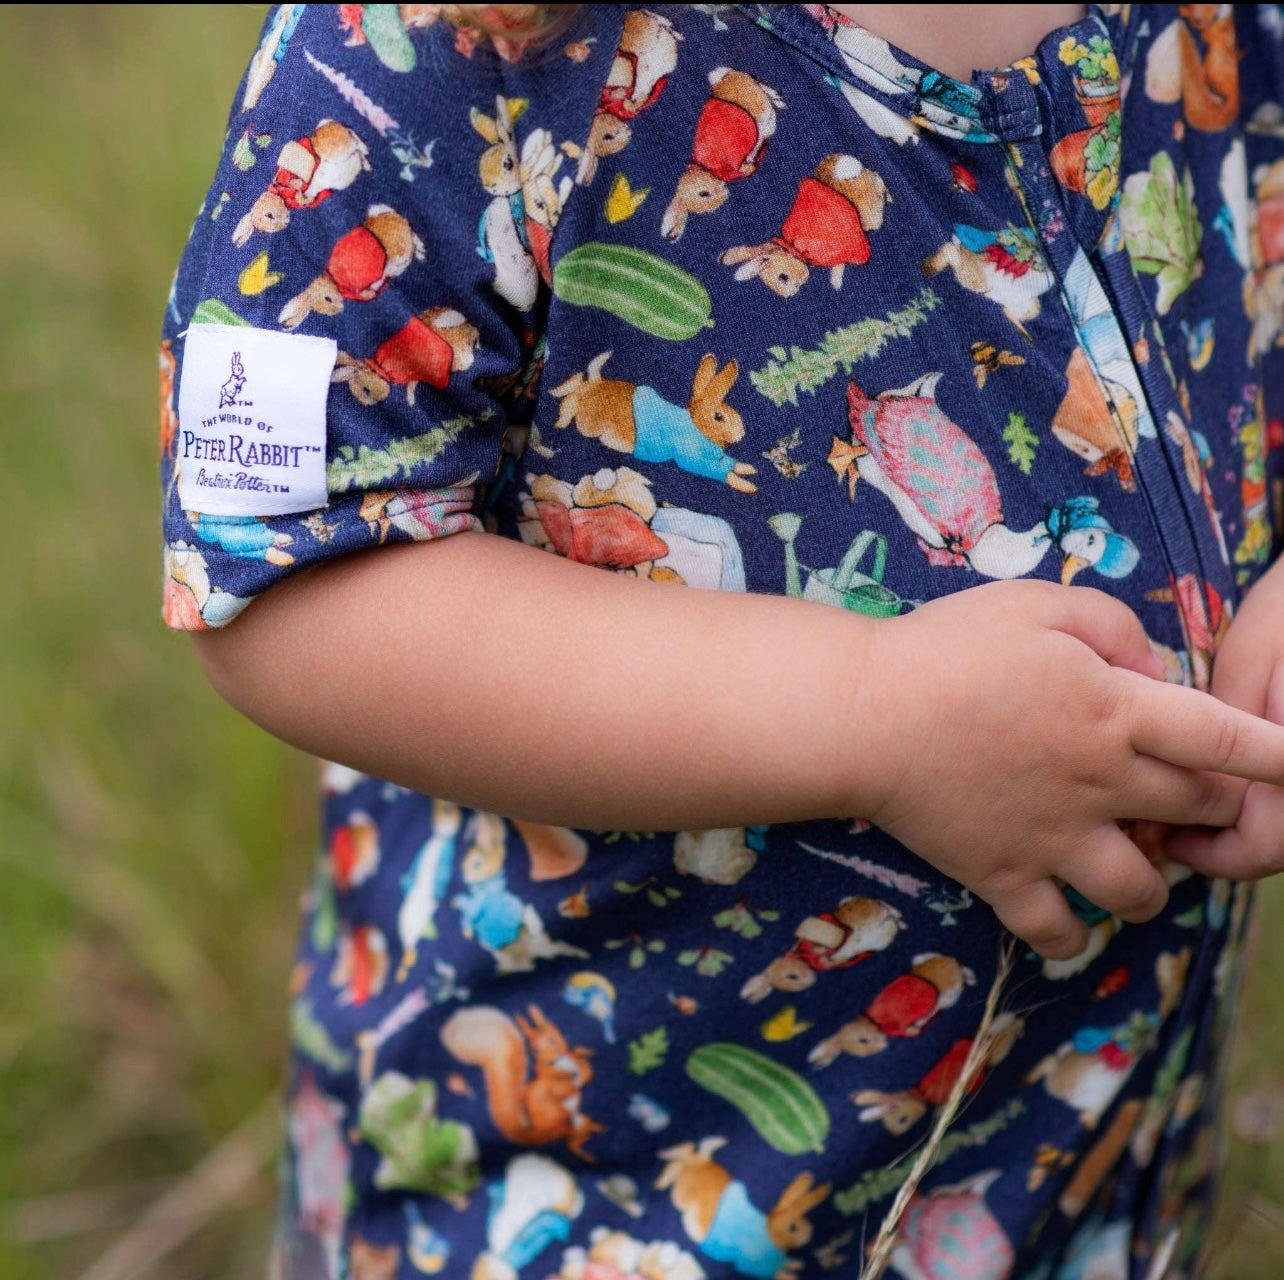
271, 461
228, 392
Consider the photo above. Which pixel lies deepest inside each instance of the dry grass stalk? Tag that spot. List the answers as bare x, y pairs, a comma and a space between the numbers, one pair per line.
215, 1183
880, 1251
62, 1214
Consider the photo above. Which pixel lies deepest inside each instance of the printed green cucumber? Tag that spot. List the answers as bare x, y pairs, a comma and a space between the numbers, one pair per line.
643, 290
776, 1100
213, 311
382, 27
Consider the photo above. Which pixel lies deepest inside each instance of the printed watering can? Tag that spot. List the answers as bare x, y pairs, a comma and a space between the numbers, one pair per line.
845, 585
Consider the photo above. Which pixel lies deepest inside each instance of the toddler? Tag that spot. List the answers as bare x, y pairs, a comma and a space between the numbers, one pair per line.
658, 907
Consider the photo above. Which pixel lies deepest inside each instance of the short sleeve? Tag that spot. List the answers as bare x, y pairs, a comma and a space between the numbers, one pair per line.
355, 321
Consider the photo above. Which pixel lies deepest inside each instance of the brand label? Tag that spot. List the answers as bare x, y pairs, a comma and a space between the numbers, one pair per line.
251, 421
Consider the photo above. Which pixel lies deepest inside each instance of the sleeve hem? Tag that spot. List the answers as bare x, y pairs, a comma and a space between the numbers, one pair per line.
192, 603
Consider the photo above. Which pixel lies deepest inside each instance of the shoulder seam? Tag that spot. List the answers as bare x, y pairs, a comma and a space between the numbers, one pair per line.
581, 139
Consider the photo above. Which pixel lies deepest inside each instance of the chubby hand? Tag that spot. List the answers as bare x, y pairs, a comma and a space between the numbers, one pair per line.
1248, 673
1015, 723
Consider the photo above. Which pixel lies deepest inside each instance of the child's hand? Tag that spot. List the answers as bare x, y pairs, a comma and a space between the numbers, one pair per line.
1017, 721
1248, 673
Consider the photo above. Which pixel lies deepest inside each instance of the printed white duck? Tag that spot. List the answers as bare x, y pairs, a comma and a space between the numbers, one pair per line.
944, 489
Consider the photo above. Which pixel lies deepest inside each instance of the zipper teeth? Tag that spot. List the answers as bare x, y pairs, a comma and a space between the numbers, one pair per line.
1177, 484
1178, 478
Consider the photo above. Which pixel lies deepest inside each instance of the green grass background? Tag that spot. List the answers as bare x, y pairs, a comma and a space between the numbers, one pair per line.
152, 844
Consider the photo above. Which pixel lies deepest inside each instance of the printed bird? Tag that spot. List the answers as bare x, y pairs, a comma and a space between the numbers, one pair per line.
427, 1249
1199, 342
594, 994
944, 489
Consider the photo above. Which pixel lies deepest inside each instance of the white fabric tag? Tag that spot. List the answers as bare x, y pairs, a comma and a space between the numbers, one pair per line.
251, 421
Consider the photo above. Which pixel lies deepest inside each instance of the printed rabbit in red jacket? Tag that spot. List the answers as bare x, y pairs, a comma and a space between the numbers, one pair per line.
359, 267
826, 227
308, 171
854, 930
647, 55
902, 1008
428, 348
730, 141
899, 1112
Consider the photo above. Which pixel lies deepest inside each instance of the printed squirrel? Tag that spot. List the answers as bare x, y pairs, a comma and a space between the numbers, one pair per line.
534, 1079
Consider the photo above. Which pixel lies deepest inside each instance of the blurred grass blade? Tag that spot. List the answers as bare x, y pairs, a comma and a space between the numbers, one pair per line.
115, 896
73, 1213
213, 1185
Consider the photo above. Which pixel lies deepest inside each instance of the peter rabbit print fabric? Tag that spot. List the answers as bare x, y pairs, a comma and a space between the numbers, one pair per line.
739, 298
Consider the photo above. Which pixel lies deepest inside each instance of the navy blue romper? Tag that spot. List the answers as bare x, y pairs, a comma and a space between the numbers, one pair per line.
739, 298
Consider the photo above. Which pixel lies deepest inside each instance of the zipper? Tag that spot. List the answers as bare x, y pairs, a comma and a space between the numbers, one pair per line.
1158, 467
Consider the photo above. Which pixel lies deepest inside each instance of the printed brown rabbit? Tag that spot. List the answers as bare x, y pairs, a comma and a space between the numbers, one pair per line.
637, 420
901, 1111
428, 348
831, 940
308, 171
827, 227
647, 54
902, 1008
726, 1226
503, 240
359, 267
730, 141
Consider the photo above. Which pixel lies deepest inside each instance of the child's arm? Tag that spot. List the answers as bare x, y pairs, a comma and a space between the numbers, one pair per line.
998, 732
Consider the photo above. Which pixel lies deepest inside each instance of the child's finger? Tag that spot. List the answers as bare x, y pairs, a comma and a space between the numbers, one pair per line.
1161, 792
1109, 628
1250, 850
1039, 914
1195, 731
1116, 876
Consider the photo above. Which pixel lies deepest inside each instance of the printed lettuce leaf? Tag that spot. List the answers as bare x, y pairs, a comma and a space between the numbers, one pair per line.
420, 1150
1161, 228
